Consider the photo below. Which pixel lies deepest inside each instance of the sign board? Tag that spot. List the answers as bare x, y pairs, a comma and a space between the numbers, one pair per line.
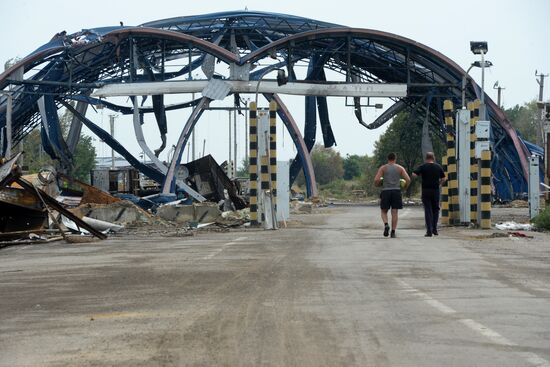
483, 129
481, 146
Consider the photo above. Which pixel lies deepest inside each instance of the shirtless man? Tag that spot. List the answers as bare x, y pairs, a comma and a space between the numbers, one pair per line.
389, 176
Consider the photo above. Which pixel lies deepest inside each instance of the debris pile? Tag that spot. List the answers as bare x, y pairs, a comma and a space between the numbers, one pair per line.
122, 212
50, 206
514, 226
26, 208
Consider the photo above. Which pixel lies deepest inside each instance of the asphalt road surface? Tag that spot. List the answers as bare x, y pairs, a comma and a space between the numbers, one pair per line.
328, 291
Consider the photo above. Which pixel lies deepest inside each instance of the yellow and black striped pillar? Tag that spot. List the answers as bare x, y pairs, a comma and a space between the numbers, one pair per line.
444, 196
253, 162
264, 179
485, 189
474, 184
273, 151
451, 163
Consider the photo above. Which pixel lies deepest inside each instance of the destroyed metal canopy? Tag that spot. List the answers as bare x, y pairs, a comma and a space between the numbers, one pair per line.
227, 45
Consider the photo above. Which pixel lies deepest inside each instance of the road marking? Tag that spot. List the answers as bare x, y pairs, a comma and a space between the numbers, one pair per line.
486, 332
209, 256
532, 358
429, 300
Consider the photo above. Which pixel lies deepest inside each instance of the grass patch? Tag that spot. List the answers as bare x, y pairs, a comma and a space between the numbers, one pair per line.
542, 220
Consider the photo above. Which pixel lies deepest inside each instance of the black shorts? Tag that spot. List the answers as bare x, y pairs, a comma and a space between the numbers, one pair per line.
391, 199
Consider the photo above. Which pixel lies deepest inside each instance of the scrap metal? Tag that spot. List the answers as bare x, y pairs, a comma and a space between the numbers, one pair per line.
249, 44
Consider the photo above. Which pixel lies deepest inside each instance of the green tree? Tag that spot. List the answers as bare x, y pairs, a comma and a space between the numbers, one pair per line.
525, 120
83, 158
354, 166
243, 171
327, 163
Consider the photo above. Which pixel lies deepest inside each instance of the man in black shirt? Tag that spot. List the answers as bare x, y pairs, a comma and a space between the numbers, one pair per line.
433, 177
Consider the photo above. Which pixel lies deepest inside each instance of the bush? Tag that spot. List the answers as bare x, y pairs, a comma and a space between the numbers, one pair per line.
542, 220
340, 189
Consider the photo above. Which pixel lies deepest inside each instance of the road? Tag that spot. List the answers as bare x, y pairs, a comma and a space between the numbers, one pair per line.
328, 291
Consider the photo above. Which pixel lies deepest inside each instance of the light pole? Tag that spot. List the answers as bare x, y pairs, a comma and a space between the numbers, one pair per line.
499, 93
481, 48
477, 64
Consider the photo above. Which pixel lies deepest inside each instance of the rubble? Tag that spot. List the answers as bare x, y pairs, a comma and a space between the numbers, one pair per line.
209, 179
234, 218
38, 208
192, 215
511, 226
122, 212
300, 207
45, 180
90, 194
24, 208
519, 204
21, 210
102, 225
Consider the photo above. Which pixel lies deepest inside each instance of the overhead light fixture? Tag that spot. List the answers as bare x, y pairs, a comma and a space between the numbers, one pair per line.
282, 79
479, 47
486, 64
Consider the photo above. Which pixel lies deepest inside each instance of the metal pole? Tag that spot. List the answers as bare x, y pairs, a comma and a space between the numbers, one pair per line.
229, 156
541, 86
9, 112
246, 133
541, 140
499, 94
544, 135
482, 77
112, 123
193, 136
464, 86
234, 143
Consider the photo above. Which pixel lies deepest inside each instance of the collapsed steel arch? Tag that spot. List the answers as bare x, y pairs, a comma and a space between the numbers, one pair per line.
71, 67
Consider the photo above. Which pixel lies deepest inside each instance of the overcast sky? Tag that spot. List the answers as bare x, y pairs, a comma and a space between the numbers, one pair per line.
516, 31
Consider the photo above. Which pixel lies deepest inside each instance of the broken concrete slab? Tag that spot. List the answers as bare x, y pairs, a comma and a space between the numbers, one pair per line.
197, 212
207, 212
177, 213
121, 212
